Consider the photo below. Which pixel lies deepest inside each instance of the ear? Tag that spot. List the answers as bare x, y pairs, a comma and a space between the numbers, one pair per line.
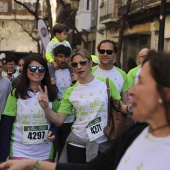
56, 34
91, 63
167, 93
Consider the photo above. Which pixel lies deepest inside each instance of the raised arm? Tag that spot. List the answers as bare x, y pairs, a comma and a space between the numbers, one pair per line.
56, 118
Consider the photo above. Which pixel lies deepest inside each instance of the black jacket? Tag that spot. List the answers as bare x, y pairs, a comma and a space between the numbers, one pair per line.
109, 160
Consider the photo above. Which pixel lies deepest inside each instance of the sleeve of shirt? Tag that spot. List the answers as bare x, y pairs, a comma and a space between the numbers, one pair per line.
49, 52
55, 105
113, 90
131, 78
94, 68
9, 88
11, 106
66, 106
66, 43
126, 83
5, 136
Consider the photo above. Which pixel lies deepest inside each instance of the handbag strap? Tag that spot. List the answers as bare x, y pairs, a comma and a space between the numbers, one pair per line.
109, 107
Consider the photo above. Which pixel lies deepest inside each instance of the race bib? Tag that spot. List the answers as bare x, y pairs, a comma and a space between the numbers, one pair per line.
95, 128
35, 134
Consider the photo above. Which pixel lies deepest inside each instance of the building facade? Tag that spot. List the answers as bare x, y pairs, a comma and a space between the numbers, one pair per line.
16, 26
141, 29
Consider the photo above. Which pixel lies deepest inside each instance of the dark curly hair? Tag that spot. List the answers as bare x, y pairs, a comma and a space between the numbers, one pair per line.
23, 82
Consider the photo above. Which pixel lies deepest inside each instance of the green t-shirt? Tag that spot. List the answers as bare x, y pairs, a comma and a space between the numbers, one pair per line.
132, 75
117, 75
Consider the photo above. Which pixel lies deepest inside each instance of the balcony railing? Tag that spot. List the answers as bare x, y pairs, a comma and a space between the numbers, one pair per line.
137, 5
107, 10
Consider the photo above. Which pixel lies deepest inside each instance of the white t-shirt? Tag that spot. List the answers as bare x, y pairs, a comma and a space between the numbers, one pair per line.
89, 102
147, 152
137, 75
117, 75
63, 82
29, 114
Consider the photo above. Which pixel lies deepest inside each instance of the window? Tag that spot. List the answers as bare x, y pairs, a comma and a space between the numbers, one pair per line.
2, 24
88, 4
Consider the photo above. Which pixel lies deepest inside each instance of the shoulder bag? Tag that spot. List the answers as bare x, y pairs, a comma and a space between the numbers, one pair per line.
117, 121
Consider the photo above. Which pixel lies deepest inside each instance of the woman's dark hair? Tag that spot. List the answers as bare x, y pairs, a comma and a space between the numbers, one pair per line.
160, 70
23, 82
131, 63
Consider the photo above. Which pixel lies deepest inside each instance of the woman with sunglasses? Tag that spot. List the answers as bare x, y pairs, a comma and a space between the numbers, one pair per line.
88, 97
25, 129
145, 146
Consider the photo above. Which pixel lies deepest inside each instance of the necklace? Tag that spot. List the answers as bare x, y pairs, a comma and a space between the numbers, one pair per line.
158, 128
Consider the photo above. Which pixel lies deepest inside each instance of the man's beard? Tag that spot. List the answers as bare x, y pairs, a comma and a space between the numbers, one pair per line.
63, 65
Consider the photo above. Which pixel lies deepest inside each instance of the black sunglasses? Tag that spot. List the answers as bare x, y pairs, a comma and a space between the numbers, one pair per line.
82, 62
109, 52
41, 69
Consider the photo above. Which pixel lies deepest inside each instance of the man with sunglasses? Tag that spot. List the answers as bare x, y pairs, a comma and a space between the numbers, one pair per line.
107, 53
134, 73
64, 77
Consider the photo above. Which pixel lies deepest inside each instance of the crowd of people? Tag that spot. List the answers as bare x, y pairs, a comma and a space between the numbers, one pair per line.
50, 105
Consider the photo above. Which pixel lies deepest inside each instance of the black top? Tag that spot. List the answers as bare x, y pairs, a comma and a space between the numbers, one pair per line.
108, 160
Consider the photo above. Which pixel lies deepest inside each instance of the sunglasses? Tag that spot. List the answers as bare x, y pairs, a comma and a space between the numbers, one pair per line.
142, 56
82, 63
109, 52
41, 69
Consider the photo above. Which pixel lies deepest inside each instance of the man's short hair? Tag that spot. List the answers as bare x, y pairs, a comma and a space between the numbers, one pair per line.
11, 58
62, 49
109, 41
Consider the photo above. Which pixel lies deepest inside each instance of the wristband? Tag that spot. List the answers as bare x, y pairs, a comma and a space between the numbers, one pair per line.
37, 164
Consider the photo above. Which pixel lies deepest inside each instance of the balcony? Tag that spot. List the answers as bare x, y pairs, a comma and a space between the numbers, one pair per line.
107, 12
138, 6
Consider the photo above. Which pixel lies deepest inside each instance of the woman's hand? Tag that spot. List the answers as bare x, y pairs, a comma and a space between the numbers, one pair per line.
73, 77
51, 137
18, 164
43, 97
26, 164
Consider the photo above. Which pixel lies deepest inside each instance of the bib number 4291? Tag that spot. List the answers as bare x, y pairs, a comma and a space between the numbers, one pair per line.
36, 135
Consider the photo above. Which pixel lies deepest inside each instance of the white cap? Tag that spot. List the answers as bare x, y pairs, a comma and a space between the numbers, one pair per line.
2, 55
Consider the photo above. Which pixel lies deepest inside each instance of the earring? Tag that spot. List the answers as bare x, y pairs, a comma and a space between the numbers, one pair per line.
160, 101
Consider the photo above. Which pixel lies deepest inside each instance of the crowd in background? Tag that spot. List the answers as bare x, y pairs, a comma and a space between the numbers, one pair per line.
50, 104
